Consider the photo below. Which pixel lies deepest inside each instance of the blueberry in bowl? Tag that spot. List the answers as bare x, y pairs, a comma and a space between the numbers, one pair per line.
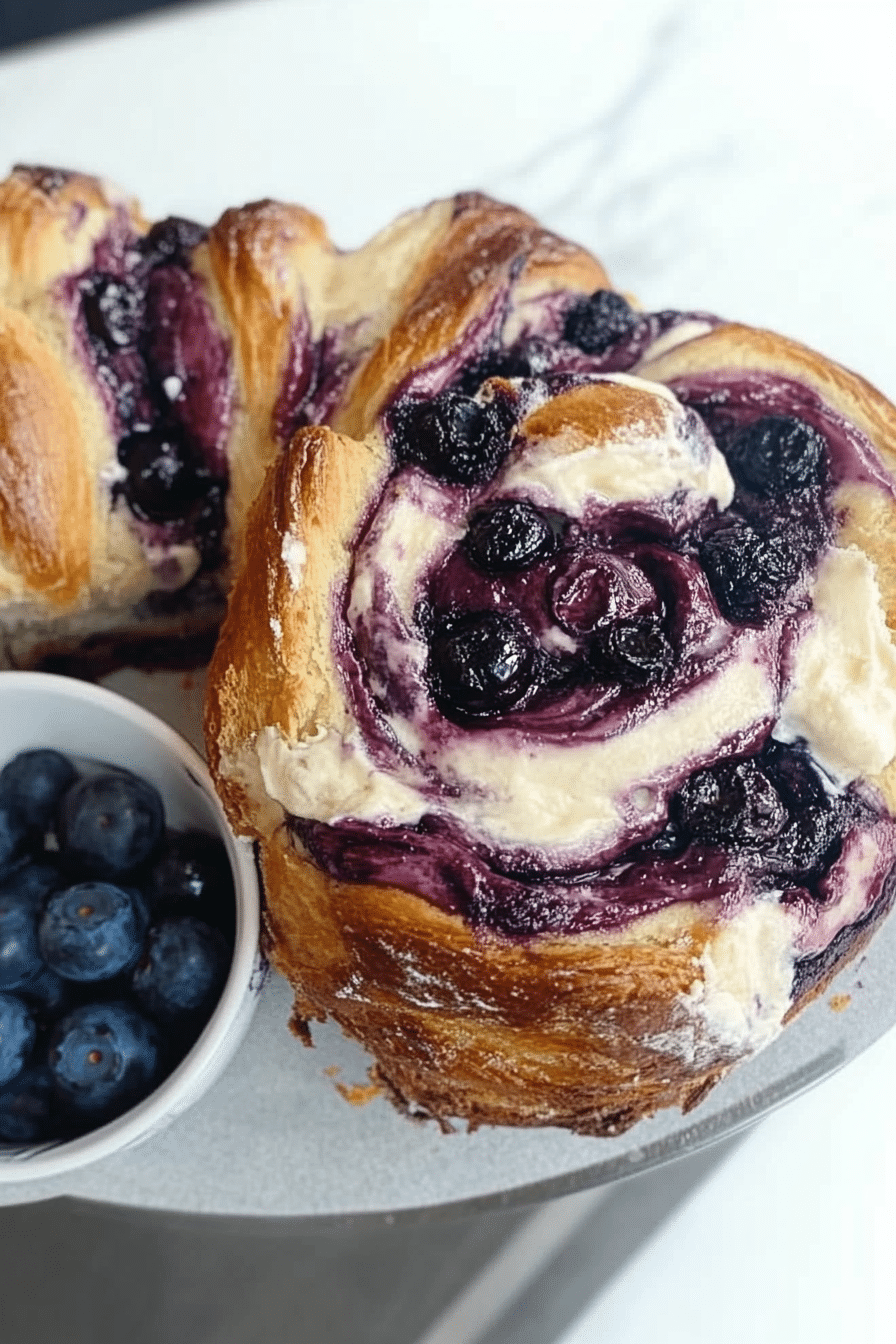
128, 926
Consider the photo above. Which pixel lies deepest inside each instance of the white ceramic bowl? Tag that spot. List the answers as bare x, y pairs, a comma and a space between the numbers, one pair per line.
80, 719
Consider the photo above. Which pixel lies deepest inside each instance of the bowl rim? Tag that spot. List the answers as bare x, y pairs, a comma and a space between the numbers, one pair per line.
223, 1031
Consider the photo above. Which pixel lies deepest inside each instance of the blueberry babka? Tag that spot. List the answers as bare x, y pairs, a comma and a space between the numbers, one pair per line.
558, 689
556, 684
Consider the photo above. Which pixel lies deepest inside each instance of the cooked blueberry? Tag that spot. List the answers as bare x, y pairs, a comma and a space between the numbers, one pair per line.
36, 780
18, 1032
110, 824
508, 536
730, 803
635, 652
777, 454
13, 832
27, 1107
162, 481
598, 587
808, 844
792, 771
20, 959
171, 240
749, 573
453, 437
104, 1057
482, 665
112, 310
596, 323
519, 362
182, 969
92, 931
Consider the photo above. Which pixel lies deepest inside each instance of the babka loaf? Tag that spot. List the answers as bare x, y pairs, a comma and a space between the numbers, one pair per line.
558, 691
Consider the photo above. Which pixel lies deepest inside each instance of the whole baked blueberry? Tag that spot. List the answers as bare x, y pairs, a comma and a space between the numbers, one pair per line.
112, 310
508, 536
18, 1032
808, 844
597, 322
35, 781
110, 824
452, 436
162, 481
634, 652
104, 1057
28, 1107
171, 240
730, 803
92, 931
777, 454
749, 572
482, 665
182, 969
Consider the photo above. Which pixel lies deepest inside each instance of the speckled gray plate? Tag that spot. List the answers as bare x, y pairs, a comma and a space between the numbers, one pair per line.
289, 1132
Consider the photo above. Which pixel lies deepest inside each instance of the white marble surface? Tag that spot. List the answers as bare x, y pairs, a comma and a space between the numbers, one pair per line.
732, 156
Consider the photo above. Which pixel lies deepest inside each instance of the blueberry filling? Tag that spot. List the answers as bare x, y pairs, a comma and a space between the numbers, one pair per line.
453, 437
596, 323
165, 369
509, 536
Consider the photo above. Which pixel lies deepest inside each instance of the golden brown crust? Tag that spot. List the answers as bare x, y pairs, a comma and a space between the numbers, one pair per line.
46, 497
469, 269
564, 1031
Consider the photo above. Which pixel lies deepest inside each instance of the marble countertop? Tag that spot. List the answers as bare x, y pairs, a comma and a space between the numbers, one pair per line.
736, 158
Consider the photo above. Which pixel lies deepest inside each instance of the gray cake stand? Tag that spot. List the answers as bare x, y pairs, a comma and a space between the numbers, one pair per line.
289, 1132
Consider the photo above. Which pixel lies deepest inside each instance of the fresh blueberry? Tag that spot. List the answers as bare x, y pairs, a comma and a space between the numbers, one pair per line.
192, 876
20, 959
48, 993
27, 1107
596, 323
92, 931
749, 573
112, 310
36, 780
508, 536
162, 482
182, 969
14, 831
31, 882
454, 438
732, 802
482, 665
634, 652
18, 1032
104, 1057
777, 454
110, 824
